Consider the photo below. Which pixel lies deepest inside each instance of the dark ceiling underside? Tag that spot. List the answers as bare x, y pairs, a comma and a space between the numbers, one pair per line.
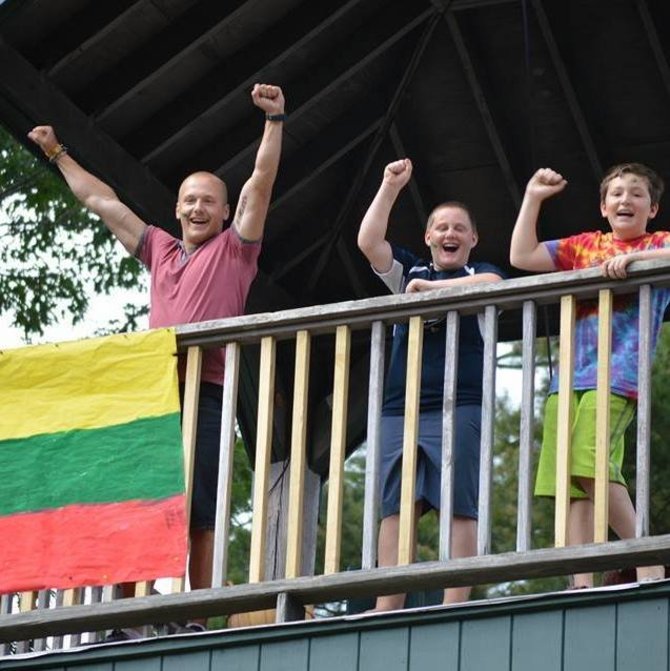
479, 93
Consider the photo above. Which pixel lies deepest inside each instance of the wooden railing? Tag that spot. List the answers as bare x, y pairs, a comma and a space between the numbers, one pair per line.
516, 300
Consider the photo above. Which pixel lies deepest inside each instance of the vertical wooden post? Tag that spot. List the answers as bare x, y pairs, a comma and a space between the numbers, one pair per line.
601, 496
338, 444
226, 453
410, 435
189, 427
277, 521
523, 527
643, 415
488, 422
298, 455
5, 609
564, 420
27, 602
448, 433
372, 458
263, 450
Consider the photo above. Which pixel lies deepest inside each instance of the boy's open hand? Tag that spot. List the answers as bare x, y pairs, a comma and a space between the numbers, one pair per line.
545, 183
398, 173
418, 284
616, 267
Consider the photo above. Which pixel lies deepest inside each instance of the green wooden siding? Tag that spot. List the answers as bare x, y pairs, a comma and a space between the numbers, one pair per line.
537, 641
603, 630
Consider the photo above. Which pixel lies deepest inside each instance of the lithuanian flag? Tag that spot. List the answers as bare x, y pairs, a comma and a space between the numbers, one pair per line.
91, 465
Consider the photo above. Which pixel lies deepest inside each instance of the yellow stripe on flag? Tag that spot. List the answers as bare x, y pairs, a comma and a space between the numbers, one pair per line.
88, 384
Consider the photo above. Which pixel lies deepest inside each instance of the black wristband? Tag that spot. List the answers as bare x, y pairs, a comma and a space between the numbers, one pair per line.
276, 117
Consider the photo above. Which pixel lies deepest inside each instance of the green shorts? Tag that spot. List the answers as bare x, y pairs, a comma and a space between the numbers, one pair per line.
583, 448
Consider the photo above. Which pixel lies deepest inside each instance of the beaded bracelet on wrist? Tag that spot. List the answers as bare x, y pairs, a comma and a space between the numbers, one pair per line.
56, 152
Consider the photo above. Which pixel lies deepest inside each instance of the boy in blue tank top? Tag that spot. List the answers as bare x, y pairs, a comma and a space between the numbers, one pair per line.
450, 235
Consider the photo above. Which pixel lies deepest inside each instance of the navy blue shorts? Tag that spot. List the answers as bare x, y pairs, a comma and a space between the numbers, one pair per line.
206, 467
428, 470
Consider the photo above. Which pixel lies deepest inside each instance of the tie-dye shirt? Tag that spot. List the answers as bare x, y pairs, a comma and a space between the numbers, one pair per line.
587, 250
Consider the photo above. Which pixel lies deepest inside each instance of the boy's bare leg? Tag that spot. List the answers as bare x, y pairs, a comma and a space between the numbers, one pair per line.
387, 555
622, 520
463, 544
200, 562
202, 556
580, 531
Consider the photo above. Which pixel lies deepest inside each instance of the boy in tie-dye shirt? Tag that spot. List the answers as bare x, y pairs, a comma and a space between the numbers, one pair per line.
629, 199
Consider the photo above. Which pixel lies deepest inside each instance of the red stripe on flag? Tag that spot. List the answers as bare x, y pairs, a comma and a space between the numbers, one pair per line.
101, 544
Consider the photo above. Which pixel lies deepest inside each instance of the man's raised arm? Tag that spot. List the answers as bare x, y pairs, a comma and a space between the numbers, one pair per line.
93, 193
254, 201
372, 233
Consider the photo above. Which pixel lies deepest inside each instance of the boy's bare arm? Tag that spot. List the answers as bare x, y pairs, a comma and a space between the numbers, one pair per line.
254, 201
526, 252
92, 192
419, 284
616, 268
372, 233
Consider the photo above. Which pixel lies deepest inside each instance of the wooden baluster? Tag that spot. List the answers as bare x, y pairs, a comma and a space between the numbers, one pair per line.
564, 419
189, 426
27, 602
43, 602
527, 423
5, 609
337, 450
488, 422
262, 466
298, 455
448, 430
602, 474
227, 450
410, 436
643, 415
372, 458
73, 597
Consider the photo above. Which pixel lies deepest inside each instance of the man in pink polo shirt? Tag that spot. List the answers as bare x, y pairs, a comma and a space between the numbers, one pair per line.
205, 275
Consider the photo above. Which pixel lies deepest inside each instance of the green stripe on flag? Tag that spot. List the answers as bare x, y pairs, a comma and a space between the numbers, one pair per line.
138, 460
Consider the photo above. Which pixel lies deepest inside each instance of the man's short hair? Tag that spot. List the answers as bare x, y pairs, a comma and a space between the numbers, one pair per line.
213, 178
453, 203
654, 181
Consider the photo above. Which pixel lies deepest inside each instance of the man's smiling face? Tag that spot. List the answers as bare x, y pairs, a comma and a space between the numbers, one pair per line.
627, 206
450, 237
201, 208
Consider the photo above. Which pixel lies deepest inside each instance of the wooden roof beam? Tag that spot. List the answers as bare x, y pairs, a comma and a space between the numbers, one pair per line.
246, 154
484, 109
158, 57
40, 102
377, 141
654, 43
568, 90
414, 191
206, 104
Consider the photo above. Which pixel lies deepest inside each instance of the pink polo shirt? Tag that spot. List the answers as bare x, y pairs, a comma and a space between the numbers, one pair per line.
210, 283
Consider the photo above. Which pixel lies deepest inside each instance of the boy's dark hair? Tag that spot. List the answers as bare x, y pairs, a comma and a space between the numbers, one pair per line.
654, 182
453, 203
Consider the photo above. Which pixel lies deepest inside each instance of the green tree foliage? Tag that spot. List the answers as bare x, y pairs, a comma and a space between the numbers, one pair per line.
505, 494
240, 516
54, 255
